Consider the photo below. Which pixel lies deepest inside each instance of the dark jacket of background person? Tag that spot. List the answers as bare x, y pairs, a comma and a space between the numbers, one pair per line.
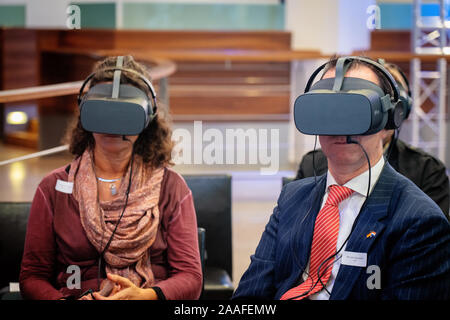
427, 172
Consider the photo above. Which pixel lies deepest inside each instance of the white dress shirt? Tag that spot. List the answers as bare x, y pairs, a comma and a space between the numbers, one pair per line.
348, 211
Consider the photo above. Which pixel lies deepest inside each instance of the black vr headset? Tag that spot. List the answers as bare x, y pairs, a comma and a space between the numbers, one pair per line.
347, 106
115, 108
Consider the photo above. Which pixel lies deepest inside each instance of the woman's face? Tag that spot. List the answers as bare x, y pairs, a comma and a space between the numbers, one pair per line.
112, 143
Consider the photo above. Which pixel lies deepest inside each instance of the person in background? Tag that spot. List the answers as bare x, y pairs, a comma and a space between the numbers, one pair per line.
426, 171
153, 253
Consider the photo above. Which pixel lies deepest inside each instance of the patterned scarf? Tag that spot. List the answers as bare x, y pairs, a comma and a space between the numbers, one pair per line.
127, 254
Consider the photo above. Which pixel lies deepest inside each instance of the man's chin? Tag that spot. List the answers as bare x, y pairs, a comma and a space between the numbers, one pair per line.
344, 160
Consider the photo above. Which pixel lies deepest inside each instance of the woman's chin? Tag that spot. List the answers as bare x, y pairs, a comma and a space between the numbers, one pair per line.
112, 145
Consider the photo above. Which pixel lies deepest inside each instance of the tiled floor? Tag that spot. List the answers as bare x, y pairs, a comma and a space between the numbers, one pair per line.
254, 196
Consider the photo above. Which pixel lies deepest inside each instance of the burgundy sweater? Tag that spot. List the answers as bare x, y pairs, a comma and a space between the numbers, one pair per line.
55, 239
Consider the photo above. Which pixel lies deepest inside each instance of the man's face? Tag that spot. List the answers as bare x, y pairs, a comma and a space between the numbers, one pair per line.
340, 154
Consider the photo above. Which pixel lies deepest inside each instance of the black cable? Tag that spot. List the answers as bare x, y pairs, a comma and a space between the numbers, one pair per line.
349, 140
314, 160
392, 143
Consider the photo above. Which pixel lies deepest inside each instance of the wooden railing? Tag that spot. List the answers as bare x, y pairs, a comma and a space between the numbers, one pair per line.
162, 70
56, 100
165, 68
40, 92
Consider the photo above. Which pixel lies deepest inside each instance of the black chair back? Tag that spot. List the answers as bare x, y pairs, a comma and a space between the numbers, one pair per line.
13, 225
212, 201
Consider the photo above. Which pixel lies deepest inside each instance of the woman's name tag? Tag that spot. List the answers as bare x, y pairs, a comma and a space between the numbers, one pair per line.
64, 186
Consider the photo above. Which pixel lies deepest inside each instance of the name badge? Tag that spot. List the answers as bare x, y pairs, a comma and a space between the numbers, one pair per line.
354, 259
14, 287
64, 186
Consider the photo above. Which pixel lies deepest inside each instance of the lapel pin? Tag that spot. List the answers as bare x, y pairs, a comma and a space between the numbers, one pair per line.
371, 234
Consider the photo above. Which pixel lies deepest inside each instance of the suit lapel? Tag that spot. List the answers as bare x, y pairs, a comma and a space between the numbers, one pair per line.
368, 227
306, 221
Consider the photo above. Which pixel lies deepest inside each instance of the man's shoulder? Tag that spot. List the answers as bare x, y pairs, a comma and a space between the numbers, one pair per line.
301, 184
401, 185
409, 200
299, 189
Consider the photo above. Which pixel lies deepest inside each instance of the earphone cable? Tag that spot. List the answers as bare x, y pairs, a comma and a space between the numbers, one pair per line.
118, 222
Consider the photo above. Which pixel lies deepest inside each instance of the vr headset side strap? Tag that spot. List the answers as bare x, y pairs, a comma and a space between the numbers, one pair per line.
389, 77
116, 79
386, 103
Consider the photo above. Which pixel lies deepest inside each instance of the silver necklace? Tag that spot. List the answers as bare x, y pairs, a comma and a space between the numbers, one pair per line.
112, 186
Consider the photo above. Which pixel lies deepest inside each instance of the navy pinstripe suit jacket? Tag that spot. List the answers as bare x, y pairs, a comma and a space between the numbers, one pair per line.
411, 246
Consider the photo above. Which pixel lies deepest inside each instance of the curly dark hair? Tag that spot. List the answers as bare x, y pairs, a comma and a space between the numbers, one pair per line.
154, 144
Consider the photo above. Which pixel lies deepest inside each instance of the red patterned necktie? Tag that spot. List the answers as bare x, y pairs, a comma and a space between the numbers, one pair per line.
323, 246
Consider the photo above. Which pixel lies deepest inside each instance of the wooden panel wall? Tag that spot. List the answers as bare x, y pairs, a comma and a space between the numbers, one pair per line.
218, 87
395, 46
19, 67
20, 59
390, 40
172, 40
214, 88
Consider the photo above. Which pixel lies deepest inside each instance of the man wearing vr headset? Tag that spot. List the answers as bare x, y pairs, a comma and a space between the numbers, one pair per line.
362, 231
427, 172
117, 213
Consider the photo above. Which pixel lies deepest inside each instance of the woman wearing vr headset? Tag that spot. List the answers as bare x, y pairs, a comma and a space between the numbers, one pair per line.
117, 215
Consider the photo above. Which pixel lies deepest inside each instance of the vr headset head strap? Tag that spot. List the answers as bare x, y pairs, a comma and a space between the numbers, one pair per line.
117, 69
340, 73
116, 79
383, 70
342, 67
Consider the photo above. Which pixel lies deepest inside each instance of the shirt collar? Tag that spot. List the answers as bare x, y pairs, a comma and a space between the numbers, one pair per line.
359, 183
